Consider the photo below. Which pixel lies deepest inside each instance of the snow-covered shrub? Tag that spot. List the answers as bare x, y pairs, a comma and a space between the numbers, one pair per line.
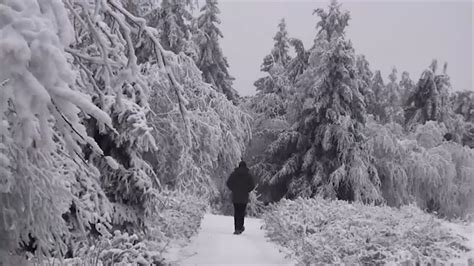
336, 232
175, 216
423, 168
172, 217
120, 248
255, 207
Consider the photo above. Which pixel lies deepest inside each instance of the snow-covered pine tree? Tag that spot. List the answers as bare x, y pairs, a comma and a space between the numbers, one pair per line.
463, 103
275, 63
375, 107
42, 170
364, 81
281, 47
364, 73
392, 110
211, 61
325, 153
269, 106
275, 82
172, 23
299, 63
430, 100
407, 87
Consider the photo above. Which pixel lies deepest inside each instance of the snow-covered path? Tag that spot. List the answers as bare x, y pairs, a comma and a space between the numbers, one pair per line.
216, 245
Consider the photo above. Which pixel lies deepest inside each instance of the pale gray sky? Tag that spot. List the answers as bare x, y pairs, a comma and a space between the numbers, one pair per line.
404, 34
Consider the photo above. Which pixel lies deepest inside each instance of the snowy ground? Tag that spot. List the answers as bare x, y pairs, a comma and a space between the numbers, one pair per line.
466, 231
216, 245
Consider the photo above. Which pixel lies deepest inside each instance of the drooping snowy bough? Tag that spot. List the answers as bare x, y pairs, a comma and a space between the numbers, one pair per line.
91, 139
41, 132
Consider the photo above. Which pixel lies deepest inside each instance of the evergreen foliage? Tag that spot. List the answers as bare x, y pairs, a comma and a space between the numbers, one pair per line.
430, 100
407, 87
325, 153
211, 62
392, 102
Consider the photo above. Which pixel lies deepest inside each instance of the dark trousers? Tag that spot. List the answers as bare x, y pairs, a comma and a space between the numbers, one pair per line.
239, 215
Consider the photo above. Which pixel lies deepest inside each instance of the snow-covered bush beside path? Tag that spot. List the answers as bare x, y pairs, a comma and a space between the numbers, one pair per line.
330, 232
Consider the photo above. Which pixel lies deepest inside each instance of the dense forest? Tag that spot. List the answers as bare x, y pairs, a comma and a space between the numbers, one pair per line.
120, 124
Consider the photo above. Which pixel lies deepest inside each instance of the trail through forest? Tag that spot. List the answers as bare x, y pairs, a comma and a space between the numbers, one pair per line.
216, 245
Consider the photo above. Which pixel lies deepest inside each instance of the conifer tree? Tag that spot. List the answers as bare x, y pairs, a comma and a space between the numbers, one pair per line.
211, 62
297, 65
280, 50
407, 87
430, 100
364, 73
364, 81
463, 103
377, 87
392, 111
275, 63
171, 23
324, 154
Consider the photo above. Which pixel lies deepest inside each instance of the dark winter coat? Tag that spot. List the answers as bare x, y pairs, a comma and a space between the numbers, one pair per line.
240, 183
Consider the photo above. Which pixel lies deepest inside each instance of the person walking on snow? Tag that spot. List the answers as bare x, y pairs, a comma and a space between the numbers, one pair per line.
240, 183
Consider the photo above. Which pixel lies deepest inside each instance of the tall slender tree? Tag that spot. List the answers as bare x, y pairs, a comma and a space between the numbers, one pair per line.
392, 110
211, 62
375, 106
281, 47
364, 81
275, 63
407, 87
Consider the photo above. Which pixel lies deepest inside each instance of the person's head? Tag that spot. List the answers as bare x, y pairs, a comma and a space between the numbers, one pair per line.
242, 164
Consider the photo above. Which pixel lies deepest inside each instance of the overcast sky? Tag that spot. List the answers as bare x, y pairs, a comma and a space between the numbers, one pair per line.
404, 34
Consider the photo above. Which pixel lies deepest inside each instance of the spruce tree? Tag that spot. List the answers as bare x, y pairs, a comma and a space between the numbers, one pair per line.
297, 65
407, 87
377, 87
392, 111
280, 50
275, 63
211, 62
430, 100
172, 24
325, 153
173, 21
364, 81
